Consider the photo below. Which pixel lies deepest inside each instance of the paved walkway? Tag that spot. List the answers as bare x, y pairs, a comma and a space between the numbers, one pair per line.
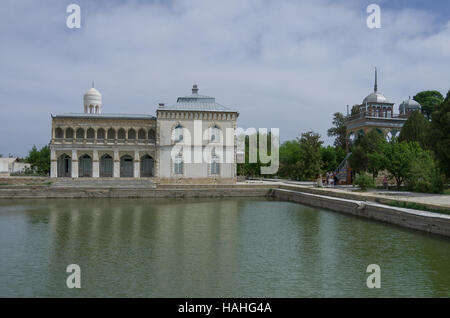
439, 201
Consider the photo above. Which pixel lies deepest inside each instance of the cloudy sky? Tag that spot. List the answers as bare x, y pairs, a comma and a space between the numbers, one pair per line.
281, 63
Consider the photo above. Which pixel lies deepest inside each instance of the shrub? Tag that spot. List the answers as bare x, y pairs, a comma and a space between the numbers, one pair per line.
424, 175
364, 181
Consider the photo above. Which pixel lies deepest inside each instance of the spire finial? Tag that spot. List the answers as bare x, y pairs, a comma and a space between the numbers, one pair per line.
375, 88
93, 84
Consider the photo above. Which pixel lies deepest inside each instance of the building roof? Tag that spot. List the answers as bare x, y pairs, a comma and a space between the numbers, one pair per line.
409, 104
376, 97
110, 116
196, 102
8, 160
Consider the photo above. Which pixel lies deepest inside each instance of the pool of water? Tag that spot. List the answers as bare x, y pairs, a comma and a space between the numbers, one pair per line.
210, 248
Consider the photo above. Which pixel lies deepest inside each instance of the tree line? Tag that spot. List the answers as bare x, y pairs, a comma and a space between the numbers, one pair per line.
418, 158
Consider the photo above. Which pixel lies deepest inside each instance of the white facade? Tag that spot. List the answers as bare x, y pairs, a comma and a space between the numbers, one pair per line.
191, 141
12, 165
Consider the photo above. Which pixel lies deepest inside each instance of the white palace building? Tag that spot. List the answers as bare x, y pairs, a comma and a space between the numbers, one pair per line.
165, 148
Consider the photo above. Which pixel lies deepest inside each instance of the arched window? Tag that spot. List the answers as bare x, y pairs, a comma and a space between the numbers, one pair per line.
64, 166
111, 134
215, 134
126, 166
146, 166
351, 137
101, 134
151, 135
360, 133
85, 166
80, 133
69, 133
106, 166
178, 133
90, 134
391, 135
178, 164
121, 134
141, 134
215, 165
132, 134
59, 133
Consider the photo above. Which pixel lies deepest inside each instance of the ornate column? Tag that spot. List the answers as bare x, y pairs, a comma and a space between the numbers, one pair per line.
53, 164
116, 168
74, 164
137, 164
95, 164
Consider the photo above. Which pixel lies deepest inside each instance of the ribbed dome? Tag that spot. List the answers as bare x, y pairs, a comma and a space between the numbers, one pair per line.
408, 105
92, 101
375, 97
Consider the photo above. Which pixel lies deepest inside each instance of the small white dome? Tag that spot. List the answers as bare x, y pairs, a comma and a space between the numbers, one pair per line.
92, 101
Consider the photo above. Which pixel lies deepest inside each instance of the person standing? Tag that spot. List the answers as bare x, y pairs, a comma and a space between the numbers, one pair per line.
385, 183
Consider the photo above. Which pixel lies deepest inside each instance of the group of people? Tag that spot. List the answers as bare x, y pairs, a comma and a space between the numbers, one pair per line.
331, 179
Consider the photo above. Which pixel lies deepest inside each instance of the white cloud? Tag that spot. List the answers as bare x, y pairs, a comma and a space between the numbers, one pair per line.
287, 64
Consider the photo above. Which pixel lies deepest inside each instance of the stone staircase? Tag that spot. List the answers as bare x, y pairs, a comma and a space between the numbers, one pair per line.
125, 183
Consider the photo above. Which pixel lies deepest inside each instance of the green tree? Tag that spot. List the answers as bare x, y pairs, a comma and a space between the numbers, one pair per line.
375, 163
339, 130
355, 110
39, 159
371, 143
424, 174
329, 158
428, 100
253, 169
399, 158
310, 158
364, 181
440, 134
289, 157
416, 128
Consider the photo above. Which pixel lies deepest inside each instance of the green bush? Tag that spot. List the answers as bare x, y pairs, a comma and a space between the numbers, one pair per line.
424, 175
364, 181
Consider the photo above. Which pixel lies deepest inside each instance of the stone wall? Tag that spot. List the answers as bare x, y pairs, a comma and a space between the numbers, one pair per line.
24, 180
348, 203
419, 220
168, 191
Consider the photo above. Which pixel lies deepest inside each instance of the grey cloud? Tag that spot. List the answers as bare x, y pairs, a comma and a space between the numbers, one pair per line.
287, 64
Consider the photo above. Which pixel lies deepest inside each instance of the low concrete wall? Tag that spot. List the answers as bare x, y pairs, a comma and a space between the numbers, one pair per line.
15, 180
419, 220
359, 196
174, 191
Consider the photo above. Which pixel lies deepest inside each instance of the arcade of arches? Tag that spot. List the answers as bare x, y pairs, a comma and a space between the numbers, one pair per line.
104, 166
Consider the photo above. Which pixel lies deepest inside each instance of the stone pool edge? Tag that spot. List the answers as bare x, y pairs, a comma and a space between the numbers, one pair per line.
430, 222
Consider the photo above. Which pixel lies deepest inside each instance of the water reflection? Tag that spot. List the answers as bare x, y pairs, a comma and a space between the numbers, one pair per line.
151, 244
210, 248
